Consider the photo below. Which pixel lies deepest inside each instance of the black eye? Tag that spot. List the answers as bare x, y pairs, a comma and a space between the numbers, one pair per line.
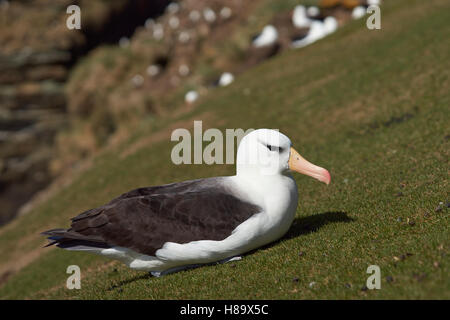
273, 148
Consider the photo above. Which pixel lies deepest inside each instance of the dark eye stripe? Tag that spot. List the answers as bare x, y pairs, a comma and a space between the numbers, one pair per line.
273, 148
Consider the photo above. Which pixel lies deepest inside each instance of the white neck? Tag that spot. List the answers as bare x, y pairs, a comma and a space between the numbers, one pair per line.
268, 189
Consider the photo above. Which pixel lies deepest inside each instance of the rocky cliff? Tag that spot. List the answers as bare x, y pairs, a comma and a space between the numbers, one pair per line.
37, 53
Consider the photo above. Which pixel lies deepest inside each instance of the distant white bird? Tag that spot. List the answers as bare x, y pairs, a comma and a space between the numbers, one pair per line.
316, 32
191, 96
330, 25
174, 22
149, 23
137, 80
225, 13
124, 42
358, 12
184, 36
373, 2
158, 31
209, 15
267, 37
313, 11
225, 79
194, 16
173, 8
183, 70
153, 70
300, 18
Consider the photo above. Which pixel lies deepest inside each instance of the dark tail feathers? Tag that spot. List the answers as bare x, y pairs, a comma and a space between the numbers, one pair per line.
67, 239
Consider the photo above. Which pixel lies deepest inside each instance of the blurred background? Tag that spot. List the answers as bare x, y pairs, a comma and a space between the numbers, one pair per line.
65, 94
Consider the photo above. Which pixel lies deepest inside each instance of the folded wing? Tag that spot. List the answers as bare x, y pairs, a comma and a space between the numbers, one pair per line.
146, 218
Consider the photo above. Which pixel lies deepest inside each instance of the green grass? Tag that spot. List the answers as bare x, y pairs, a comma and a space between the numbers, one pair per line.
370, 106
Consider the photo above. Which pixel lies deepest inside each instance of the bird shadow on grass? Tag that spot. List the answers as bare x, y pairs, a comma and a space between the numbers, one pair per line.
300, 226
305, 225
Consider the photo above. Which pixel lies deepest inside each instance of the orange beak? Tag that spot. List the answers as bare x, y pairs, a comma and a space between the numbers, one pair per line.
298, 164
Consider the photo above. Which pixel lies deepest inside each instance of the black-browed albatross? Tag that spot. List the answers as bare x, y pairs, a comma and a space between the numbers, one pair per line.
171, 227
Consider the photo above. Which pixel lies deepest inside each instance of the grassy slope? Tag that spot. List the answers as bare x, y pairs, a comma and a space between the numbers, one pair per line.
370, 106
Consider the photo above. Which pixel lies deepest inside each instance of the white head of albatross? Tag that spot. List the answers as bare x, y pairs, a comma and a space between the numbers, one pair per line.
171, 227
264, 153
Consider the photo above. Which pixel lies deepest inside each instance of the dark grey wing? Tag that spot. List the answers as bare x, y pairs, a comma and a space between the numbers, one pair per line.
177, 187
144, 223
172, 188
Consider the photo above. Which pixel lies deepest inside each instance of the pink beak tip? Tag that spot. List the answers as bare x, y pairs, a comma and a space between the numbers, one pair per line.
326, 177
